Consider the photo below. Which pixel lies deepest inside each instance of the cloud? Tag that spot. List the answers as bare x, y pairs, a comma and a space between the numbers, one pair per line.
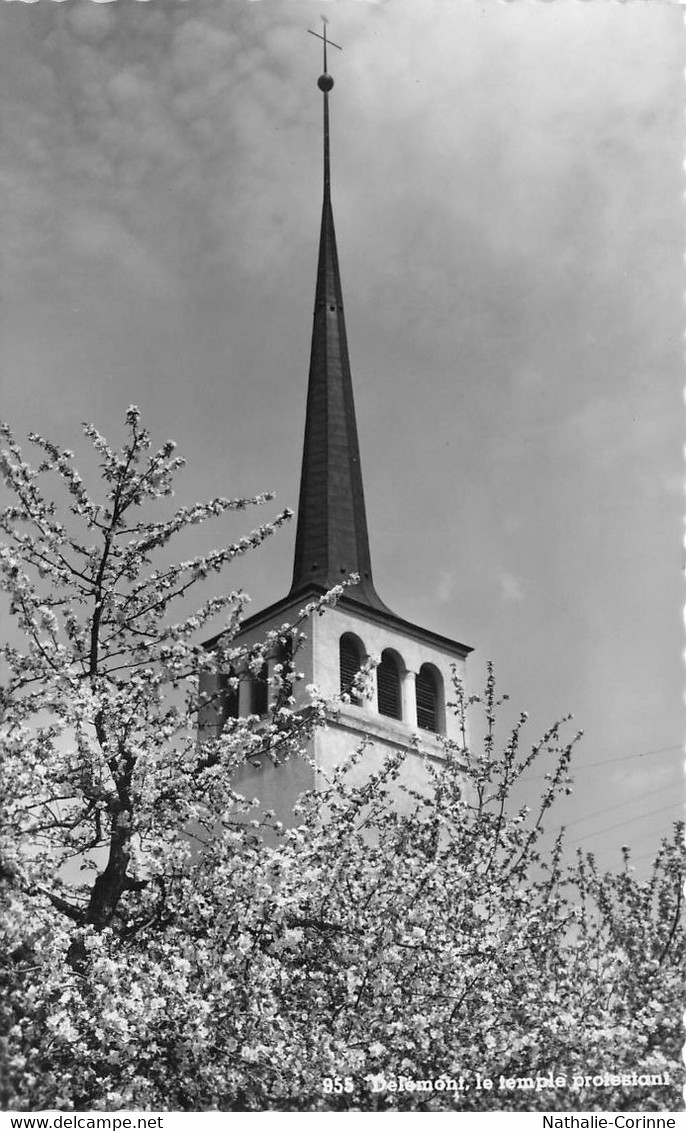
445, 588
93, 21
635, 780
181, 124
511, 588
147, 115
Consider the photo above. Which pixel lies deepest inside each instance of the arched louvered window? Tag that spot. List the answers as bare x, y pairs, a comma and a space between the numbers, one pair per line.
351, 655
388, 686
284, 657
259, 692
230, 695
429, 705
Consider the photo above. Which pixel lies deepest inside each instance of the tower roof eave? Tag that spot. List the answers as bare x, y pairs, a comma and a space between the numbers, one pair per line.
349, 603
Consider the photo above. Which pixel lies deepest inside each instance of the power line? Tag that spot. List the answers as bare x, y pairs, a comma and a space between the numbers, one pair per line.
631, 821
646, 856
630, 757
646, 834
619, 805
609, 761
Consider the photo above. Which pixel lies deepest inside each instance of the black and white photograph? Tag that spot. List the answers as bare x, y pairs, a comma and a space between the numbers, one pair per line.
341, 557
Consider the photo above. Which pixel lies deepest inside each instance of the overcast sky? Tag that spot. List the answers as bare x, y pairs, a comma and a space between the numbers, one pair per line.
507, 189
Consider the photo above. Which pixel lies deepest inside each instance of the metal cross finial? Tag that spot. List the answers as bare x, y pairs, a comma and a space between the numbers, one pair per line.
325, 40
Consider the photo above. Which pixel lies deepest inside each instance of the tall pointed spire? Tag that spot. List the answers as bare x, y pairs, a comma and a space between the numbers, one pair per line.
331, 540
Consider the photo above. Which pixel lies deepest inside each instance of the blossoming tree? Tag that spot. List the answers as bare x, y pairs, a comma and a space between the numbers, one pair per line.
165, 949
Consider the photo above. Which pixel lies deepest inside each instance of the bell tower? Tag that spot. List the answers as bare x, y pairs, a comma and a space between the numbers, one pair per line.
411, 679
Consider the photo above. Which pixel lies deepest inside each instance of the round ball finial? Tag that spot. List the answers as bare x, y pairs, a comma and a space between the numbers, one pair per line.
325, 83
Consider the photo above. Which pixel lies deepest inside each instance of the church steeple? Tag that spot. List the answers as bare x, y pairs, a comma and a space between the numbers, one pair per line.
411, 668
331, 540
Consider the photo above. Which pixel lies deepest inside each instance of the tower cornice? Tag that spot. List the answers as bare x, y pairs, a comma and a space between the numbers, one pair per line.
283, 611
